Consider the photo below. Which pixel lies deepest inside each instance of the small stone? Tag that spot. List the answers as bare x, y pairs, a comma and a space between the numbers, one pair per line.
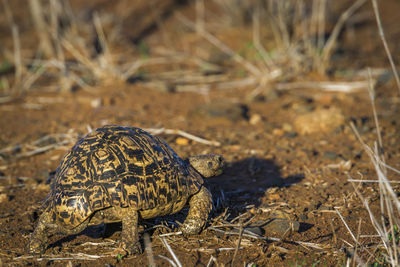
3, 197
255, 119
319, 121
281, 226
95, 103
278, 132
287, 127
231, 111
330, 155
182, 141
254, 229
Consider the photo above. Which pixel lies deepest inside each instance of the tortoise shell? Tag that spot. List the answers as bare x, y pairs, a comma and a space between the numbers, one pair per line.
119, 166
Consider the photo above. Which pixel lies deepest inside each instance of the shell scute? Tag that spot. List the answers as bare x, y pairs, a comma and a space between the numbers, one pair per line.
119, 166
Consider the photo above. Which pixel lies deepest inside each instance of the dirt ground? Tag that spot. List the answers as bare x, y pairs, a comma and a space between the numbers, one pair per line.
290, 152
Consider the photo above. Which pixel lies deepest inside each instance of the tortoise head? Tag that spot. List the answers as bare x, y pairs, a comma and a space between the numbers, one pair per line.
208, 165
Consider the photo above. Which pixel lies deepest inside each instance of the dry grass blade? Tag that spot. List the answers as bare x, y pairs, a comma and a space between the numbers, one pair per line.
149, 250
390, 205
41, 28
238, 244
170, 234
211, 261
157, 131
109, 243
168, 247
39, 146
215, 250
382, 36
167, 259
371, 181
346, 225
224, 48
249, 234
328, 48
72, 256
345, 87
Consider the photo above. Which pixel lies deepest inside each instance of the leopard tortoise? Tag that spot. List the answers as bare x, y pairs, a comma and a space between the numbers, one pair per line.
120, 174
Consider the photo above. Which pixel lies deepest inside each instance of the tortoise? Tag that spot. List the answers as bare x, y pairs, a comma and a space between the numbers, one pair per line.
121, 174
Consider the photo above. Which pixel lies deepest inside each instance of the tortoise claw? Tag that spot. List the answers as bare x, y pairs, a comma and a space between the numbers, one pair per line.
131, 248
36, 247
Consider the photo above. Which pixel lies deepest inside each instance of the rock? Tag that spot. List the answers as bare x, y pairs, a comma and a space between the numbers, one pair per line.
254, 229
231, 111
3, 197
280, 226
319, 121
330, 155
255, 119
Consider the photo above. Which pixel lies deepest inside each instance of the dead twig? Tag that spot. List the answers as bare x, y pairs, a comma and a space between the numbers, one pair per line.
157, 131
238, 244
149, 250
73, 256
344, 87
168, 247
249, 234
383, 38
167, 259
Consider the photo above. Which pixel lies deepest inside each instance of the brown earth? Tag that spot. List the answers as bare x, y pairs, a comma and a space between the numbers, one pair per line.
285, 159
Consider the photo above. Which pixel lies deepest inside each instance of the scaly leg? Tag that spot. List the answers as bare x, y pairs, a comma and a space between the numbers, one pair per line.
46, 227
130, 235
200, 208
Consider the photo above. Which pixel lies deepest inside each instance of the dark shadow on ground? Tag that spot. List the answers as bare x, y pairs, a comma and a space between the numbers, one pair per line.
245, 182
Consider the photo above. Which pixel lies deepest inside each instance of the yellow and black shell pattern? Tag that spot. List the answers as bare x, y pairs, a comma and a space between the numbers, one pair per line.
118, 166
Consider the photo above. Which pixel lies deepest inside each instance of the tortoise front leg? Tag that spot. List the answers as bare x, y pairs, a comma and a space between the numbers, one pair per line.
38, 241
130, 236
200, 208
47, 226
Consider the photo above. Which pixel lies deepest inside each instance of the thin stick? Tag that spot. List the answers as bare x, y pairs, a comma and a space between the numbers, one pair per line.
200, 15
41, 27
247, 233
170, 234
214, 250
238, 244
211, 261
370, 181
167, 259
371, 91
167, 246
346, 225
157, 131
17, 55
149, 249
345, 87
383, 38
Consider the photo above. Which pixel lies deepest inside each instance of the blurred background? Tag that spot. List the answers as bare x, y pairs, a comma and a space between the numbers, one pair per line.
301, 97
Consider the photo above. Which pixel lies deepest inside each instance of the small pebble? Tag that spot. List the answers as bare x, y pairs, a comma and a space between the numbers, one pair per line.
281, 226
182, 141
3, 197
330, 155
319, 121
255, 119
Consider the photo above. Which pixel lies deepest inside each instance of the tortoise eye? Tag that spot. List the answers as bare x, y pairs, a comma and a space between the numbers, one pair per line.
210, 164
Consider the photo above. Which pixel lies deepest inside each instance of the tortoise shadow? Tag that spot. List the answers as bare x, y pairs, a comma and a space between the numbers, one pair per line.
245, 182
